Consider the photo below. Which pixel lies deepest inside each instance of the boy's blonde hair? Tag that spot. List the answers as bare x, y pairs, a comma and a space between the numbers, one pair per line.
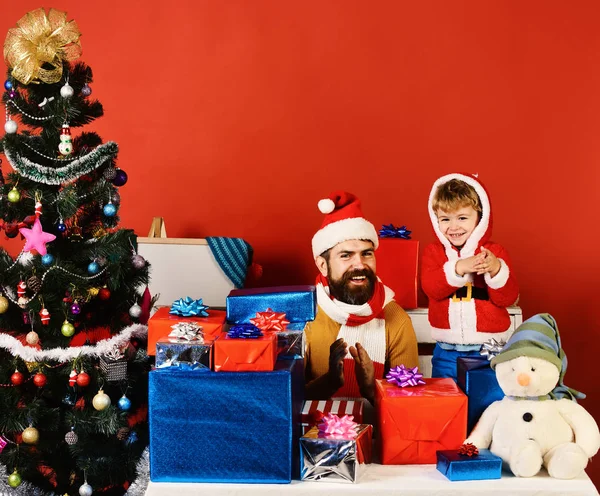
456, 194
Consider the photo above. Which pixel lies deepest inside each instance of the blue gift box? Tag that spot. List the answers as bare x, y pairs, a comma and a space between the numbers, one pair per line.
299, 303
478, 381
457, 467
290, 343
226, 426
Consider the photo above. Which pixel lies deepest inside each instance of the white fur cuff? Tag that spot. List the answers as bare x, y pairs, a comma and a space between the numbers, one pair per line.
452, 277
500, 279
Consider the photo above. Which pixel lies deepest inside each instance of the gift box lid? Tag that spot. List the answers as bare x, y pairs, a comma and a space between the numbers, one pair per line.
312, 410
272, 290
214, 316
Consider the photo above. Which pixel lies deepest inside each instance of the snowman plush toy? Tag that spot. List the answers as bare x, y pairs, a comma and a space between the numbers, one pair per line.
538, 423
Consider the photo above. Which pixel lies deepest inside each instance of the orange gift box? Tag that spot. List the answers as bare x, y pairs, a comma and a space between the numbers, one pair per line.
397, 265
159, 325
415, 422
243, 355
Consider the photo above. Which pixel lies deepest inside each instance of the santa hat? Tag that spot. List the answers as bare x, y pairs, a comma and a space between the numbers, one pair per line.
343, 221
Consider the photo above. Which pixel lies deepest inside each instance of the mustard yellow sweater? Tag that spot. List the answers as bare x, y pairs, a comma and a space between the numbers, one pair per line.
401, 342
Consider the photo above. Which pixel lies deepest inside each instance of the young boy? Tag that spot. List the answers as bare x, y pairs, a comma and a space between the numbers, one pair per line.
468, 278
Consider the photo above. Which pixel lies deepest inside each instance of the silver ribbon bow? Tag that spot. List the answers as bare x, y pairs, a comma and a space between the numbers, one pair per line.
491, 348
187, 331
114, 354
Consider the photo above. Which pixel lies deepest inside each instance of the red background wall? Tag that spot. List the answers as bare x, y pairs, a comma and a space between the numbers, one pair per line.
234, 118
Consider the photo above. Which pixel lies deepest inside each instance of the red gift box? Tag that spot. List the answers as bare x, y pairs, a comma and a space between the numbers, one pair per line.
243, 355
416, 422
397, 265
159, 325
314, 410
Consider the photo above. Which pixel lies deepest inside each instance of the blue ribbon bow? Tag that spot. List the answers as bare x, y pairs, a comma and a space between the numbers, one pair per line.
244, 331
390, 231
189, 308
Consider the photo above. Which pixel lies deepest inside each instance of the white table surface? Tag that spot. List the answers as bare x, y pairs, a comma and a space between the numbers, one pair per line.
390, 480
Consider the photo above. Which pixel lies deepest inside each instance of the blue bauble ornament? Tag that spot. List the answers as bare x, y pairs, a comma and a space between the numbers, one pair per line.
61, 227
120, 178
124, 403
8, 85
47, 260
109, 210
93, 268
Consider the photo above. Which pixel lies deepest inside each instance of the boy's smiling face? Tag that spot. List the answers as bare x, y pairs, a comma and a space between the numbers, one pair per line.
458, 225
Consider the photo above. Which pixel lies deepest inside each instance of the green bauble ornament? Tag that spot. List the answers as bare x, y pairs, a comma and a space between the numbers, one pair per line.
14, 479
13, 195
67, 329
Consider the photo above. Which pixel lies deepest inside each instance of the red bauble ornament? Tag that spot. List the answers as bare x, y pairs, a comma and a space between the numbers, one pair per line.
17, 378
83, 379
39, 380
104, 294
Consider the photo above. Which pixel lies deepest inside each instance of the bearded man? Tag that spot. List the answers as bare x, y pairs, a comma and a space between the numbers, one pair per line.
354, 307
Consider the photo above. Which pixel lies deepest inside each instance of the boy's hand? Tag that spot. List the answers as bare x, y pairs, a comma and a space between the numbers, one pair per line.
469, 265
490, 263
364, 371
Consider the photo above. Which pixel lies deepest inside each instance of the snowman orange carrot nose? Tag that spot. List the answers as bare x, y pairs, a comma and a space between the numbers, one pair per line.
523, 379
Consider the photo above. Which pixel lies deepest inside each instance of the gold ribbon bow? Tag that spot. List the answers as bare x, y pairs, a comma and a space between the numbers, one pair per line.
36, 48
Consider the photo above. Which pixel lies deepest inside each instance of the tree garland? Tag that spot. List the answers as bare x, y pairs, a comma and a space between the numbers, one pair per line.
62, 355
59, 175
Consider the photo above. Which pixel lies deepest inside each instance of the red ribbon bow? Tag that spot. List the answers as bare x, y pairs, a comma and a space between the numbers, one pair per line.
270, 321
468, 449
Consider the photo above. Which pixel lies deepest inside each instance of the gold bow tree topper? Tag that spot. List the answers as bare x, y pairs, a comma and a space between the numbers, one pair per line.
36, 48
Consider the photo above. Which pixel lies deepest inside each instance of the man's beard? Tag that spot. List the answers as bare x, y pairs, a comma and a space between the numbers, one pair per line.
342, 289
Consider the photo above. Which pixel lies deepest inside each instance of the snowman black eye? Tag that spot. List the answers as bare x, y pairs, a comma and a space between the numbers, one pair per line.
532, 369
513, 369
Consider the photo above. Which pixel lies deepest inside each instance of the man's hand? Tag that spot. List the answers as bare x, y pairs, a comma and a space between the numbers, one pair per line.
469, 265
489, 264
337, 352
364, 371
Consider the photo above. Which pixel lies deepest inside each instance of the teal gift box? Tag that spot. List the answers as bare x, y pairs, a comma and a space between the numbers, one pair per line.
458, 467
299, 303
238, 427
478, 381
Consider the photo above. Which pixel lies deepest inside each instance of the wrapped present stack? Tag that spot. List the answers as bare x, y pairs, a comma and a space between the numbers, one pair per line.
228, 387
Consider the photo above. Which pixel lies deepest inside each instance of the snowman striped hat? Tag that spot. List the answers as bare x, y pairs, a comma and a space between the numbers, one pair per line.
343, 221
538, 337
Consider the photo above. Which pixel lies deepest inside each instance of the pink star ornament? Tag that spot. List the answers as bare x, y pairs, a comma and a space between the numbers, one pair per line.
35, 238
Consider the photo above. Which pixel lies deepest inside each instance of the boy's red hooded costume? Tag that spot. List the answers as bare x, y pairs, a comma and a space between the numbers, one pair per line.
460, 314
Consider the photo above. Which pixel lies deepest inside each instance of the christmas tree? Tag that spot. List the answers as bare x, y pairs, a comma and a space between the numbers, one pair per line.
73, 366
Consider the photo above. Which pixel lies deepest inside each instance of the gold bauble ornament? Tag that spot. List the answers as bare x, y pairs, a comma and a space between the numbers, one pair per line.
101, 401
30, 435
3, 304
93, 292
36, 48
31, 366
